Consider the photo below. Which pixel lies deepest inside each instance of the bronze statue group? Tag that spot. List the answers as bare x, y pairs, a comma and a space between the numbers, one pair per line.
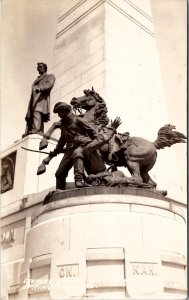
89, 142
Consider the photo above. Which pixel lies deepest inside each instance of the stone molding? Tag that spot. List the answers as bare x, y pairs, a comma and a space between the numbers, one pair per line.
72, 9
132, 19
139, 10
121, 8
79, 18
130, 199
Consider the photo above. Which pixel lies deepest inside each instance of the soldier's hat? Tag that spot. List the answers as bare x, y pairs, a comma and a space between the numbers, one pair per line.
61, 106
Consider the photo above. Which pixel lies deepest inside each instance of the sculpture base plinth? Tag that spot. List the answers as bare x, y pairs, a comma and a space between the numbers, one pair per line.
106, 243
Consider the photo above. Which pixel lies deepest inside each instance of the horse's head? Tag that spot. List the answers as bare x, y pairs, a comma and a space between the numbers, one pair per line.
92, 100
85, 102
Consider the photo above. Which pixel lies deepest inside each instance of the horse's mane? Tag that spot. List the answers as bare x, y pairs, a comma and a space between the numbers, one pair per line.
100, 114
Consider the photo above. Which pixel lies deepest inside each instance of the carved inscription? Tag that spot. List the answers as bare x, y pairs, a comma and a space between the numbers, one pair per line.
8, 236
68, 271
148, 269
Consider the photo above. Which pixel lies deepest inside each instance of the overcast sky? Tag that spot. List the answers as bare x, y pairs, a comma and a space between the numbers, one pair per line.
28, 36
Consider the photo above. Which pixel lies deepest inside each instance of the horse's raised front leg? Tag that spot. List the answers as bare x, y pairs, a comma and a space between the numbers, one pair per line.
44, 142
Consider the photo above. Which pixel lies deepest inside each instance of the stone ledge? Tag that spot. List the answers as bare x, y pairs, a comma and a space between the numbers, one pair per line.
100, 190
14, 289
169, 259
106, 283
76, 198
38, 290
177, 286
40, 263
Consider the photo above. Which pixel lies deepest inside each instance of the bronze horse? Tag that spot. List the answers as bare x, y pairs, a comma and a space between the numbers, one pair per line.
138, 155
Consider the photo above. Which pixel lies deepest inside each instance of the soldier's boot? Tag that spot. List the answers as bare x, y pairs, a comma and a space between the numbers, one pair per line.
60, 183
43, 144
79, 172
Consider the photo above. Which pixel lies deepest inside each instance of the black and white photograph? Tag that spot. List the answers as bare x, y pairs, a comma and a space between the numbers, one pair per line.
93, 149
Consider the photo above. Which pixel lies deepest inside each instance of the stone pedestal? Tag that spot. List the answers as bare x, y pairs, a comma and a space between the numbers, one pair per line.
24, 170
106, 243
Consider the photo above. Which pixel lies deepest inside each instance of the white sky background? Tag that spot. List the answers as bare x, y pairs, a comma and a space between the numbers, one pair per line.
28, 36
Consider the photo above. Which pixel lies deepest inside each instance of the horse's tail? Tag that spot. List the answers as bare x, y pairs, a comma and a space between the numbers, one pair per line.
167, 137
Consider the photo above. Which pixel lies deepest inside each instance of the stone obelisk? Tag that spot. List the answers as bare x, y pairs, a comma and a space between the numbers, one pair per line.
111, 45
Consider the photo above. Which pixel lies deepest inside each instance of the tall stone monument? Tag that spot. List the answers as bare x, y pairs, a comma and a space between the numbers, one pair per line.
97, 242
111, 45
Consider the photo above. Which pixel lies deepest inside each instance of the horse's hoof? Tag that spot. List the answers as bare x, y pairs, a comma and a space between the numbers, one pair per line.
43, 144
41, 169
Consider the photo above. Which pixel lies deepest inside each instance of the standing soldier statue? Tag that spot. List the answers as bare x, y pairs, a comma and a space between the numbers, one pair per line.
39, 105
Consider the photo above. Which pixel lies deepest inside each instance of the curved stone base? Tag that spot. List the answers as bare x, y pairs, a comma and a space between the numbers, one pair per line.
106, 243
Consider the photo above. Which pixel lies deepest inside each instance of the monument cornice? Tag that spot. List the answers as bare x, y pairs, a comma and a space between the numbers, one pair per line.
134, 10
82, 1
89, 196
